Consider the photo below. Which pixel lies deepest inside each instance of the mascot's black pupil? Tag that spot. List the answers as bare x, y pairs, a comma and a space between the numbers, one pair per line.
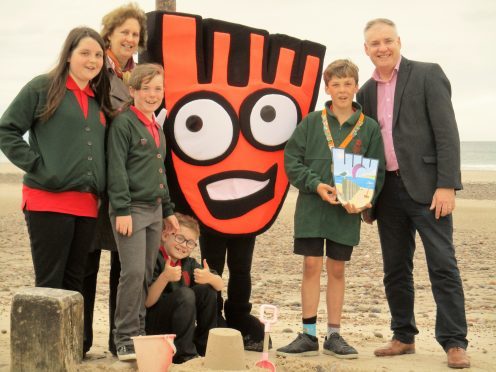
268, 113
194, 123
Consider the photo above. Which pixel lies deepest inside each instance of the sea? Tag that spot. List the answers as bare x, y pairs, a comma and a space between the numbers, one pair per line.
480, 156
476, 155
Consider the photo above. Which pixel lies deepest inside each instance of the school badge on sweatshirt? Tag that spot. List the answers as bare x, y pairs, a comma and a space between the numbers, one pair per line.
354, 177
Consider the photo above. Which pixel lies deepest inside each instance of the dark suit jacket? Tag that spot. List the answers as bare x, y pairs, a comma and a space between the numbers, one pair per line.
425, 134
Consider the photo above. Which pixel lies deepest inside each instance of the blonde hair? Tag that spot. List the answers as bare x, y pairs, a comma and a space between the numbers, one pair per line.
188, 221
120, 15
340, 68
144, 73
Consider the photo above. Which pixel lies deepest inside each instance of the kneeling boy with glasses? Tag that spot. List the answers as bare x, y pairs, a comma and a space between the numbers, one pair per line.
182, 298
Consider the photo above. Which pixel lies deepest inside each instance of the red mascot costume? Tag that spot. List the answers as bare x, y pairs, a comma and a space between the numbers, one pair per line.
234, 95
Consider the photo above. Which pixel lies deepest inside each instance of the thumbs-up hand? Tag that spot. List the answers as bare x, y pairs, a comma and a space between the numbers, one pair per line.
203, 276
172, 273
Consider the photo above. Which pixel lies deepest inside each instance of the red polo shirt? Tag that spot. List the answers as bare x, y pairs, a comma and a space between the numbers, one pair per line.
151, 126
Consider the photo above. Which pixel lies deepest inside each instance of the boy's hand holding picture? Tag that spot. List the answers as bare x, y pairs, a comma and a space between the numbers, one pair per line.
327, 193
350, 208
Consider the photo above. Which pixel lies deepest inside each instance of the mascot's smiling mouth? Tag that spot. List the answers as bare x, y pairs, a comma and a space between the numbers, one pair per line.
232, 194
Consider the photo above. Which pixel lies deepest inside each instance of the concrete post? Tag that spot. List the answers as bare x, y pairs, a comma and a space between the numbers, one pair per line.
168, 5
46, 330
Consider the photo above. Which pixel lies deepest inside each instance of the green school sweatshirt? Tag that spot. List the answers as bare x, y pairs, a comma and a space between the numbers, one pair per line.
136, 170
307, 160
65, 153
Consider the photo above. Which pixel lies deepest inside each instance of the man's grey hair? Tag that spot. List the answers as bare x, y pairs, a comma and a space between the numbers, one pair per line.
375, 21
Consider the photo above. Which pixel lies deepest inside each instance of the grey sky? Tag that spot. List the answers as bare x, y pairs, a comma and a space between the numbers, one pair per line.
458, 34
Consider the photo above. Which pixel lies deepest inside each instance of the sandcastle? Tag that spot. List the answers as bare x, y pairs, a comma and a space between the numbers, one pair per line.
225, 350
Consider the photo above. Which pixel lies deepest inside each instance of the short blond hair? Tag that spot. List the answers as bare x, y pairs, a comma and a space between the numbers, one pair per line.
188, 221
340, 68
144, 73
120, 15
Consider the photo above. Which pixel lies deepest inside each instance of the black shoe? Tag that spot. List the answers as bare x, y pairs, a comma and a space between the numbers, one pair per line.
254, 345
221, 322
183, 358
112, 348
336, 346
247, 324
126, 352
86, 348
303, 345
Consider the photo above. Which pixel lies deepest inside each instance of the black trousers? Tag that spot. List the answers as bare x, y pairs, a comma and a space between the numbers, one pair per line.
89, 292
399, 217
238, 253
104, 239
177, 312
59, 248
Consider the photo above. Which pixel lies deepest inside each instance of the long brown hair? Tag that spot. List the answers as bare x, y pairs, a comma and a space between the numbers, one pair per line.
100, 84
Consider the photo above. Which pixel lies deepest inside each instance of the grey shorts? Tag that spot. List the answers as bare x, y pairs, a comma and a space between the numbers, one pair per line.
315, 247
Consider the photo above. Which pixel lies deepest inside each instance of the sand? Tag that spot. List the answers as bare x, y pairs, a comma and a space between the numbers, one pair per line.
365, 322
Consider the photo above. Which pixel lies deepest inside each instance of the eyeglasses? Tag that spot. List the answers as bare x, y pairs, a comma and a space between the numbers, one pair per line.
191, 244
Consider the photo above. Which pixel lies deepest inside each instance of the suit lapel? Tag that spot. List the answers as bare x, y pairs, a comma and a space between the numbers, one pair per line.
403, 74
373, 100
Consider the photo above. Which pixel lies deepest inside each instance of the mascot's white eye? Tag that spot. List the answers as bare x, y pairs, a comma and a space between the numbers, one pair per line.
268, 119
204, 130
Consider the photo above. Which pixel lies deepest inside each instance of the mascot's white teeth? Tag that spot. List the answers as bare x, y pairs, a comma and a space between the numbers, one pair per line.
234, 188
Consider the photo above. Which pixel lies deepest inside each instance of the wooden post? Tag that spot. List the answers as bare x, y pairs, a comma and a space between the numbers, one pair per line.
167, 5
46, 330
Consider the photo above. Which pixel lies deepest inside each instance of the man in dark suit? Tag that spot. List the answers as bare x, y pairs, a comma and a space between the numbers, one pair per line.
412, 103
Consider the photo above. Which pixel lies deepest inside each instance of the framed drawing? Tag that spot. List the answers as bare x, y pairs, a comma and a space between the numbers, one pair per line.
354, 177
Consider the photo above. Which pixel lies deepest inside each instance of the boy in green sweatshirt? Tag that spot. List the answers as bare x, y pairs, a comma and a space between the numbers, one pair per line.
319, 216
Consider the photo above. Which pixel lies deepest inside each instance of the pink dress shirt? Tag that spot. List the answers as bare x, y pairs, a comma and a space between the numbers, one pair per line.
385, 106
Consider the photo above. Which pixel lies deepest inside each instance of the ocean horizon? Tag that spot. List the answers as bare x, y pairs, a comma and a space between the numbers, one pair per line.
478, 155
475, 155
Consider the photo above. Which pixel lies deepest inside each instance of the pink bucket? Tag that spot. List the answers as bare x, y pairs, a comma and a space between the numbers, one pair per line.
154, 353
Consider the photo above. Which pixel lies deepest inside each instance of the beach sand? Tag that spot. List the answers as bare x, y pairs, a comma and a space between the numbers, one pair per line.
276, 280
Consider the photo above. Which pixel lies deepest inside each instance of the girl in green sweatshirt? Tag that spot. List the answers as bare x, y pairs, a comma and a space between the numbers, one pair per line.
64, 159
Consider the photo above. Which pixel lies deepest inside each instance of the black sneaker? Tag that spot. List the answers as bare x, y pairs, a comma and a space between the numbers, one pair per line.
180, 359
126, 352
251, 345
303, 345
336, 346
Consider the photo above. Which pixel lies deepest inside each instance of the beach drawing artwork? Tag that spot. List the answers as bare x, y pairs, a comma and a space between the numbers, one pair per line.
354, 177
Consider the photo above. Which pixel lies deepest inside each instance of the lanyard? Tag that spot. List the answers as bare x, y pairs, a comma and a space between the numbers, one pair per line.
349, 137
